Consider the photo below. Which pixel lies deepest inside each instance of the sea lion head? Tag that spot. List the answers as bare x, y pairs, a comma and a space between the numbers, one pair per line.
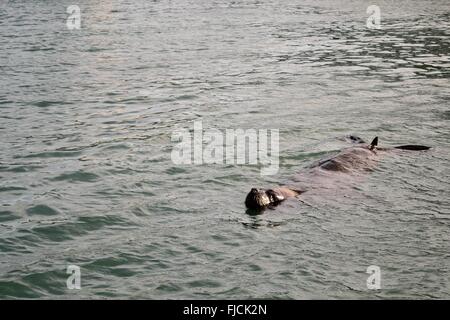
257, 199
260, 198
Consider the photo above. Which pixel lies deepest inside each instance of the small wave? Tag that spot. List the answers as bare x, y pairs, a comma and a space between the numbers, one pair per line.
54, 154
78, 176
42, 209
6, 216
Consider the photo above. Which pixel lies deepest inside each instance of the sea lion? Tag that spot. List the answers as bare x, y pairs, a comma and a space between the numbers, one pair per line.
350, 160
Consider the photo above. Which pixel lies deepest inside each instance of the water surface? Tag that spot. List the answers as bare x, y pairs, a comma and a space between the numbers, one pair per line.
86, 122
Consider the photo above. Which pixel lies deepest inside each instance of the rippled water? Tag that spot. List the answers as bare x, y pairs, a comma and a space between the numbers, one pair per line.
86, 121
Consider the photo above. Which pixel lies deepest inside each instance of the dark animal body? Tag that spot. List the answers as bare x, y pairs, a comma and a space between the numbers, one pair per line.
349, 161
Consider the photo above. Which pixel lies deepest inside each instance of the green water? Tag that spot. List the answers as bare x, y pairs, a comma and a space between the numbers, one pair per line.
86, 176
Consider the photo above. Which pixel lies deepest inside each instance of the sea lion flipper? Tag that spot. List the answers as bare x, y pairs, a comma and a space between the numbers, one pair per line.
413, 147
374, 143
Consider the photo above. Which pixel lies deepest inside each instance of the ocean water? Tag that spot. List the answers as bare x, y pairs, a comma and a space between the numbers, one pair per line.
86, 176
